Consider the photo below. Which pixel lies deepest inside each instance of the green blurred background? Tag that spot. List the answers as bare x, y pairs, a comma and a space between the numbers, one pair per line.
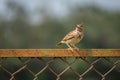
41, 24
38, 24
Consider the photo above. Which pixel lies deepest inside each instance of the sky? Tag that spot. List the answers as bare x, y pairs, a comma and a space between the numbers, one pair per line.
57, 7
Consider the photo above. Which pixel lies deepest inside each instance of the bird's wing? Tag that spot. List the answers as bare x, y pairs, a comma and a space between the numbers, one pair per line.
69, 36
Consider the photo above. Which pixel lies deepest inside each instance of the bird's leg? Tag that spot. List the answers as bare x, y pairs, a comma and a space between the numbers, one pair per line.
75, 47
69, 46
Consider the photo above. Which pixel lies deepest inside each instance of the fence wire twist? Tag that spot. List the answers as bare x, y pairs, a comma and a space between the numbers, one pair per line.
76, 68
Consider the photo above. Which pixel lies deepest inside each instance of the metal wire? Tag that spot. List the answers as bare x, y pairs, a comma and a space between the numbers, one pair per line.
59, 68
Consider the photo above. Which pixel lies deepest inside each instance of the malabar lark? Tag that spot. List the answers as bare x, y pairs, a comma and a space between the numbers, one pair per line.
73, 37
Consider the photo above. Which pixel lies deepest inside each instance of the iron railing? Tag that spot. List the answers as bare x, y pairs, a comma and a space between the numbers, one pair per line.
59, 64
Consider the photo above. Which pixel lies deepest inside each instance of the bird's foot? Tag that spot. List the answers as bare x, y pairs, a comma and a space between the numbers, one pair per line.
72, 49
76, 48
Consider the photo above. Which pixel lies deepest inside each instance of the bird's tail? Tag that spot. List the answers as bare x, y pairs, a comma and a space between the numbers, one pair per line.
58, 44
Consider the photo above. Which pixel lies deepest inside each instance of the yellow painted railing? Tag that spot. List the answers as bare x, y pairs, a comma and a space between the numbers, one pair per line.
59, 53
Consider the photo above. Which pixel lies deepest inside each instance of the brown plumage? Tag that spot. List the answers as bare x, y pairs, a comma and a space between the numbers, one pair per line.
73, 37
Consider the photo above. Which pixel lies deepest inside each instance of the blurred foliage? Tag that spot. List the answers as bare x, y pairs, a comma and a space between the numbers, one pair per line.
101, 30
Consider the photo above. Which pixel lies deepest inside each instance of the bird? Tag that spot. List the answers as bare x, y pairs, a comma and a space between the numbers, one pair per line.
73, 37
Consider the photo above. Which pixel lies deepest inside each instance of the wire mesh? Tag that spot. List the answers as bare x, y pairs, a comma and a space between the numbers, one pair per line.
60, 68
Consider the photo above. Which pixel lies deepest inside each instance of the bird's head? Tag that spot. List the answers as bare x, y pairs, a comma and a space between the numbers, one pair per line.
79, 27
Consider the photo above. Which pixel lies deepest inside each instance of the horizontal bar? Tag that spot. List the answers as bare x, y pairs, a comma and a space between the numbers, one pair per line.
59, 53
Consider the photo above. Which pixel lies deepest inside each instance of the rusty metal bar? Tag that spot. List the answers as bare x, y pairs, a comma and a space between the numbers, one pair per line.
59, 53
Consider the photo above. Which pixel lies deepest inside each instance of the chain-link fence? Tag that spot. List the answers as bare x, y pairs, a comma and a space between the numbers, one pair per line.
60, 68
